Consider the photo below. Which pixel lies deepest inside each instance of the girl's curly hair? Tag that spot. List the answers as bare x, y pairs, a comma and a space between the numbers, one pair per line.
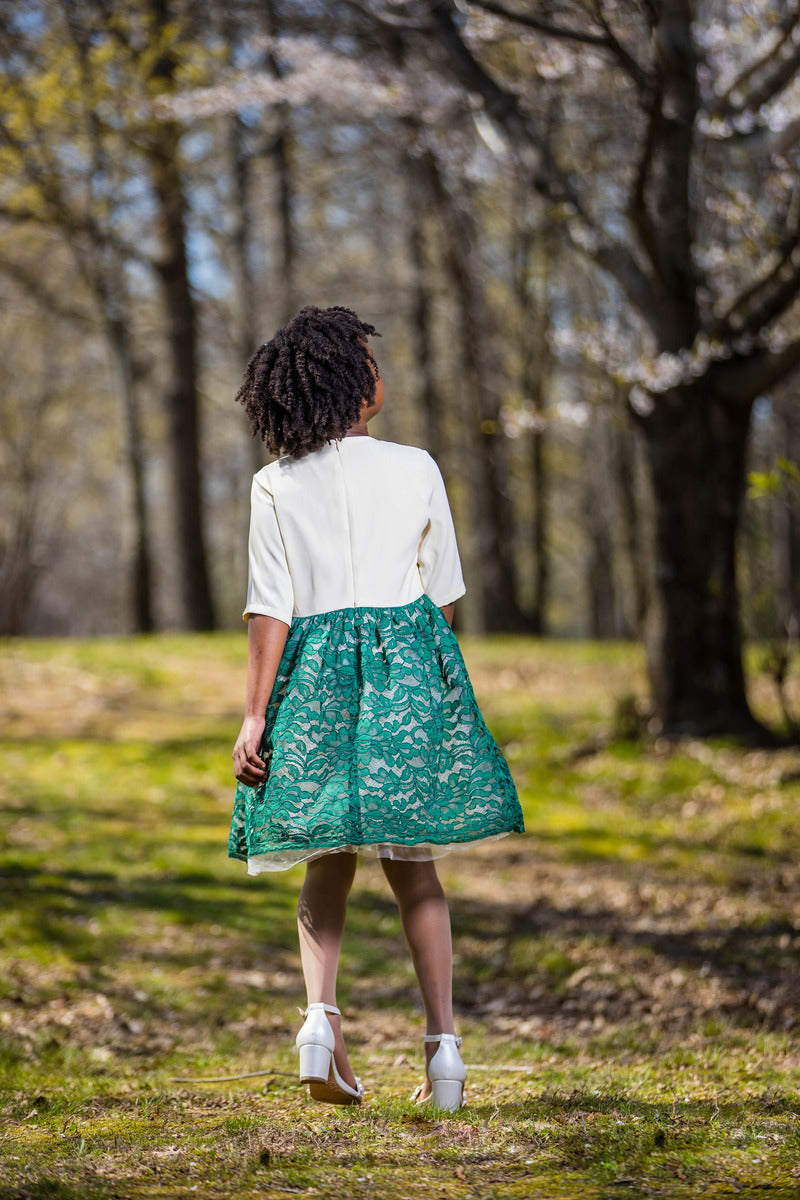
305, 387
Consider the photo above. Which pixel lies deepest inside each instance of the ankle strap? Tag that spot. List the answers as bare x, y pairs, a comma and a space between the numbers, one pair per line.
442, 1037
320, 1007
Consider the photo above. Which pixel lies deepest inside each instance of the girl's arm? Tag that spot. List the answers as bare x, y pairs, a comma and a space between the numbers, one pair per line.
266, 639
447, 612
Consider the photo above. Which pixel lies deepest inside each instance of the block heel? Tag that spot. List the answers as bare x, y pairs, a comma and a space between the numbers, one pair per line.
315, 1063
447, 1094
315, 1043
446, 1073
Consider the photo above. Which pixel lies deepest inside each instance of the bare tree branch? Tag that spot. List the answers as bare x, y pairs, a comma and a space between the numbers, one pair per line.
637, 205
784, 290
766, 142
52, 301
779, 65
775, 82
81, 45
766, 297
43, 173
563, 32
601, 41
638, 73
538, 166
384, 18
744, 378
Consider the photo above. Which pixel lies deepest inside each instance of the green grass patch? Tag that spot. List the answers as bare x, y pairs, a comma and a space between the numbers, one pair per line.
626, 974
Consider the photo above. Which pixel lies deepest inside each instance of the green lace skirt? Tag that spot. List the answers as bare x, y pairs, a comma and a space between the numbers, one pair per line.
374, 742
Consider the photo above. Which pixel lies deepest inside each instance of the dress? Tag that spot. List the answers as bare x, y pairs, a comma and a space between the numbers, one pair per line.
373, 739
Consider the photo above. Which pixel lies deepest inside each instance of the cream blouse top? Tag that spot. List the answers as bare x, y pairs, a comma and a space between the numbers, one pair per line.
359, 523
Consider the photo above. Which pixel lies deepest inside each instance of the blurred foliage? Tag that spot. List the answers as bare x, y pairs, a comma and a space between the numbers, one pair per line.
355, 112
782, 480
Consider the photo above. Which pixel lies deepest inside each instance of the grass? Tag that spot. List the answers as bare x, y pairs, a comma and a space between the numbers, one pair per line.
626, 974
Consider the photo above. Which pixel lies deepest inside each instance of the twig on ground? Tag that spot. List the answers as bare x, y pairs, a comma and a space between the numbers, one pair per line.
291, 1074
226, 1078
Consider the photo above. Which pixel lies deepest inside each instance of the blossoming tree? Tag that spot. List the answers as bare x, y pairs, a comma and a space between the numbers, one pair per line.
690, 202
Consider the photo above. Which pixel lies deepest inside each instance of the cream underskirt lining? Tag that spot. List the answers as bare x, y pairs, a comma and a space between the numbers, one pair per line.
422, 852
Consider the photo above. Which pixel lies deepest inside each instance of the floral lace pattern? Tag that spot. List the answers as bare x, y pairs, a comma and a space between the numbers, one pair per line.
373, 738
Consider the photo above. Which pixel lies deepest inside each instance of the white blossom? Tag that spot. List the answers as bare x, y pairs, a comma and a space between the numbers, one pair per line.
517, 421
573, 412
311, 72
641, 402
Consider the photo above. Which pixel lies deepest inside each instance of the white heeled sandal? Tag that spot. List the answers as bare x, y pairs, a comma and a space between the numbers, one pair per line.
446, 1073
315, 1041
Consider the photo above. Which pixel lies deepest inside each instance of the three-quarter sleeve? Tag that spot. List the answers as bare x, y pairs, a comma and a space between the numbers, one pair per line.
269, 585
437, 558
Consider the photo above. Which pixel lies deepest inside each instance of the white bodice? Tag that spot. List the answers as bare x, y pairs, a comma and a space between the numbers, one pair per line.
359, 523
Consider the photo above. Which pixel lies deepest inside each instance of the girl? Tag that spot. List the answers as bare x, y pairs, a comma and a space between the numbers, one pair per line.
361, 731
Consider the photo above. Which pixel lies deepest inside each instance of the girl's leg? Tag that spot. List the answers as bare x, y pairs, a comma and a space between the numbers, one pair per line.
426, 924
321, 912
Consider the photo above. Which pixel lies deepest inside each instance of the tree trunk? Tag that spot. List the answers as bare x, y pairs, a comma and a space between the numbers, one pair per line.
532, 256
787, 506
18, 566
288, 242
421, 315
23, 549
241, 241
280, 151
624, 457
141, 578
601, 590
492, 514
183, 401
696, 444
541, 554
246, 308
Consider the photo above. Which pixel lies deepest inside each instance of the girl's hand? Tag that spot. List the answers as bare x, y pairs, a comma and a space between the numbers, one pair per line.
266, 638
248, 767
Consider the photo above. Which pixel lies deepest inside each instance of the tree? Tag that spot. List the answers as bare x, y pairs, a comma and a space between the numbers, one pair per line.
491, 511
162, 148
393, 96
532, 255
71, 153
165, 145
710, 304
51, 90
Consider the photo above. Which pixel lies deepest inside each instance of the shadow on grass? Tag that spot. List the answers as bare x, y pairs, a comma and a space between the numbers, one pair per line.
194, 894
60, 909
504, 950
603, 844
718, 946
750, 956
48, 1188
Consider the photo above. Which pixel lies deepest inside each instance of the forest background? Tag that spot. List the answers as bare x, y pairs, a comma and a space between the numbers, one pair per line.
577, 226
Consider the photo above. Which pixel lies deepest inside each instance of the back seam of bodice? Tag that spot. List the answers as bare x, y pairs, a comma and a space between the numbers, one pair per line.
349, 524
